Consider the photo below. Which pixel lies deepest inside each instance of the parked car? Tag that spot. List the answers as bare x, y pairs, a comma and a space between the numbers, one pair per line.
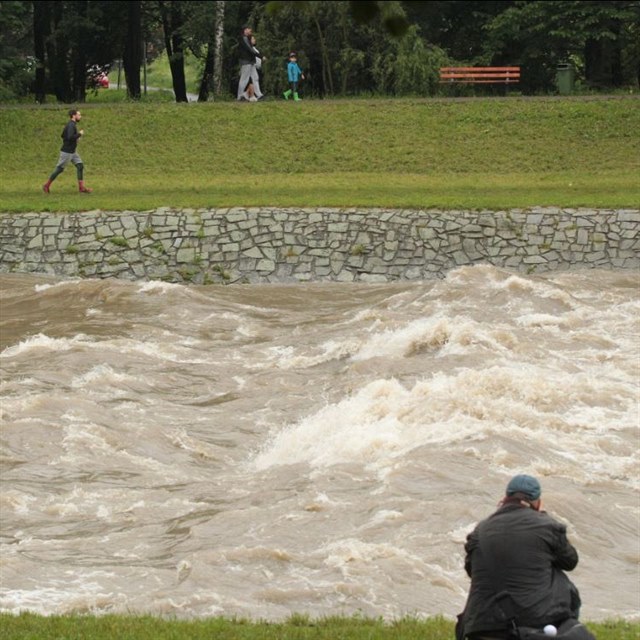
98, 77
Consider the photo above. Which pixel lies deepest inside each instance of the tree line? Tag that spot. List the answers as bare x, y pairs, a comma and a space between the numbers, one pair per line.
47, 47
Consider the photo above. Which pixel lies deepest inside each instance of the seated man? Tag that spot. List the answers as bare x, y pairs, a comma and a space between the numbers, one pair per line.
516, 559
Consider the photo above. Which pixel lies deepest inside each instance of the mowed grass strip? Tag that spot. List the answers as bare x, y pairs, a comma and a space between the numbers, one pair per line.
297, 627
411, 191
493, 153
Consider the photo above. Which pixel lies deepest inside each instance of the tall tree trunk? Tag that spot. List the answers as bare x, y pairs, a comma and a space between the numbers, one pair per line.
41, 30
212, 72
603, 59
171, 14
327, 78
132, 57
207, 72
57, 52
80, 55
598, 63
219, 42
617, 75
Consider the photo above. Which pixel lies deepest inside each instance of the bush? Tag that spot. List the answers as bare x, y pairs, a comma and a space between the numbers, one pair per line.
409, 66
16, 78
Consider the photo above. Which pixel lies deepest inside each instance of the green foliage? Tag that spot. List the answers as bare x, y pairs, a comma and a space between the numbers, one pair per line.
595, 36
415, 66
16, 67
405, 152
346, 48
119, 241
69, 37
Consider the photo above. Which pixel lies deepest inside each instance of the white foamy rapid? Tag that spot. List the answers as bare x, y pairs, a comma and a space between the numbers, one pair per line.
322, 449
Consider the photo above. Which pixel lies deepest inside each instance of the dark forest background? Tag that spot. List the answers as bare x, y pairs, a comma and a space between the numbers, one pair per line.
49, 47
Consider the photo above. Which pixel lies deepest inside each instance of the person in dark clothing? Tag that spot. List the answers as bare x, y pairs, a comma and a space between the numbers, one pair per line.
70, 136
247, 56
516, 559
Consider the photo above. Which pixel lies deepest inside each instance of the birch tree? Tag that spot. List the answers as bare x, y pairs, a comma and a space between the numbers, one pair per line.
219, 43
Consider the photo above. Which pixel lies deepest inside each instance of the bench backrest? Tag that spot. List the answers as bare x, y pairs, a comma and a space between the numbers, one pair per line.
480, 75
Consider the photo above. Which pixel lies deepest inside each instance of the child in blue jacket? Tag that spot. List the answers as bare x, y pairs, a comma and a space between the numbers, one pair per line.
294, 73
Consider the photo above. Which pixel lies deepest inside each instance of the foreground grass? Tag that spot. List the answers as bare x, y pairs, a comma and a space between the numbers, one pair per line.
31, 626
494, 153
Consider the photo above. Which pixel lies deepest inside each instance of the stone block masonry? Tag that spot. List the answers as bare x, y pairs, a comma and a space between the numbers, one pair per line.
255, 245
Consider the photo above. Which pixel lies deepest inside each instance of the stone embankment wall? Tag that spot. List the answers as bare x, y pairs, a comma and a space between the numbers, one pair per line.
295, 245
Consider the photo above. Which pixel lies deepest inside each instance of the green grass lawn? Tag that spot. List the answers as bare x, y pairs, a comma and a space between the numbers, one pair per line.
110, 627
158, 77
159, 73
494, 153
414, 153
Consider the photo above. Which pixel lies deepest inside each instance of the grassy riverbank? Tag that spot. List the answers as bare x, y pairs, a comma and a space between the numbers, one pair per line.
30, 626
418, 153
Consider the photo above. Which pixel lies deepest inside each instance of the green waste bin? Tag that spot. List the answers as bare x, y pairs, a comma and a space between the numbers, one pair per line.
565, 77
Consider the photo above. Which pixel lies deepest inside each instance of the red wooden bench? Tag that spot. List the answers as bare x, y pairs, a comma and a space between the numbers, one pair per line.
480, 75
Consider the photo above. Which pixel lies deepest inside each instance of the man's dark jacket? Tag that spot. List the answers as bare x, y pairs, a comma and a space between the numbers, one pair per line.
524, 552
70, 137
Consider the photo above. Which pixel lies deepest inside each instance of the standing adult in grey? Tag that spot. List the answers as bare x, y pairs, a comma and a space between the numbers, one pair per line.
247, 55
70, 136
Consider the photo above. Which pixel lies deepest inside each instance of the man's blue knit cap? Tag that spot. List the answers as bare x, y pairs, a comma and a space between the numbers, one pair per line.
527, 485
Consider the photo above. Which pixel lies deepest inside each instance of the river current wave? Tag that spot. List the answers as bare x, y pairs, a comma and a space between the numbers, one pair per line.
321, 448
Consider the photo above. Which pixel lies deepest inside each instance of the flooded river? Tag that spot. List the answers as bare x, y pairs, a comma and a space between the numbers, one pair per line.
320, 448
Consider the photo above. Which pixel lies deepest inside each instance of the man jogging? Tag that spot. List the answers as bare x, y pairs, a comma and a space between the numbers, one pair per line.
70, 136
